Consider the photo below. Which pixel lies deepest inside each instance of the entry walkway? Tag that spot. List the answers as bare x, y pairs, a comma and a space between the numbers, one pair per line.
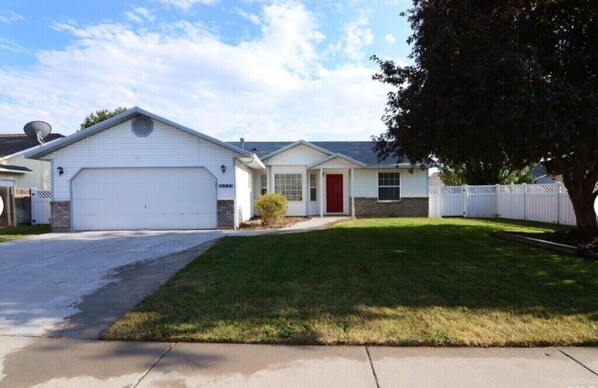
61, 362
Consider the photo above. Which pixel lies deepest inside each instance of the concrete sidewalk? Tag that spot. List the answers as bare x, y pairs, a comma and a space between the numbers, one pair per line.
61, 362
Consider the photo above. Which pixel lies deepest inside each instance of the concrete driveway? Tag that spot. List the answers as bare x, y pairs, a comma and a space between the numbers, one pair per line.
76, 284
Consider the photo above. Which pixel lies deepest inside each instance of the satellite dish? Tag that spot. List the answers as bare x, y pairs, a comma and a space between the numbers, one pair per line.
1, 206
37, 130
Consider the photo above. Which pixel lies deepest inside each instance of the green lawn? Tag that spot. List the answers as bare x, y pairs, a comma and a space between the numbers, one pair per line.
377, 281
17, 232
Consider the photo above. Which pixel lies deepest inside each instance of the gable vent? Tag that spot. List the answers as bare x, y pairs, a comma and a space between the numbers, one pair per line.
142, 126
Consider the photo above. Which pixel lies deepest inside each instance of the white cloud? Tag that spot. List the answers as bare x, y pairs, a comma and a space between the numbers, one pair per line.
6, 44
272, 87
253, 18
356, 35
389, 38
185, 4
10, 17
139, 15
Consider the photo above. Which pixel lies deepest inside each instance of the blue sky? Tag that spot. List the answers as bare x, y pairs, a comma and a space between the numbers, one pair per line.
264, 70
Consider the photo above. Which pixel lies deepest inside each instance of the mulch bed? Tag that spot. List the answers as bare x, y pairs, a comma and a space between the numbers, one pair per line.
587, 245
255, 223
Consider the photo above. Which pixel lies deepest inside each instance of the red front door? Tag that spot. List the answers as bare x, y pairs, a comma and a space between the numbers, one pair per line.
334, 193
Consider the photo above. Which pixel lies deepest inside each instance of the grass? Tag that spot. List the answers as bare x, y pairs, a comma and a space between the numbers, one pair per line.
439, 282
17, 232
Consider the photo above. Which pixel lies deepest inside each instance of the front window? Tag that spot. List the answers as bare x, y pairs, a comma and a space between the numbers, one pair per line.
389, 186
313, 193
264, 184
289, 185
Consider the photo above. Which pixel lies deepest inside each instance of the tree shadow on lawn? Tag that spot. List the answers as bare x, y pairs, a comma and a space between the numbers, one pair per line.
289, 284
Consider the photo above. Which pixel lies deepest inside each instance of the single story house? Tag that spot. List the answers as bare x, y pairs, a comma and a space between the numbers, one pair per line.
138, 170
18, 171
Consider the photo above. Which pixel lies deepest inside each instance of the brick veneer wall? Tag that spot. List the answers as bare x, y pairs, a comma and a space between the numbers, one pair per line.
60, 216
406, 207
226, 214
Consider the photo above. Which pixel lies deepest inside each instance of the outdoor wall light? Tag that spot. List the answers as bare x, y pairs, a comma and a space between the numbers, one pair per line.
60, 170
223, 168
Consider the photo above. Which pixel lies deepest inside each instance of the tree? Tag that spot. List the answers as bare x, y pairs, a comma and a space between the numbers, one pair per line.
100, 115
506, 83
482, 174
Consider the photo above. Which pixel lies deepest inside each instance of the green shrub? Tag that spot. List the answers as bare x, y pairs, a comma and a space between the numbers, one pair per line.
271, 207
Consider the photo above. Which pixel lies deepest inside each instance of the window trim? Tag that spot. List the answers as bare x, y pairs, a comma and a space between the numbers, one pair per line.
299, 179
388, 186
314, 187
262, 186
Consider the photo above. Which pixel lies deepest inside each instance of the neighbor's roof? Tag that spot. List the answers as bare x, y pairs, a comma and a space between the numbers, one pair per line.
14, 169
360, 151
15, 143
121, 118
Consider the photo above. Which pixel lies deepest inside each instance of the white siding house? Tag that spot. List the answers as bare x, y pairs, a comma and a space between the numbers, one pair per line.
138, 170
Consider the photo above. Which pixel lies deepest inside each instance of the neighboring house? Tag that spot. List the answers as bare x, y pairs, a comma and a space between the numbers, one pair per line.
539, 175
138, 170
434, 180
18, 171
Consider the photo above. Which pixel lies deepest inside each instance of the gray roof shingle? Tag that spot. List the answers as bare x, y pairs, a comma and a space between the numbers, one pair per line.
358, 150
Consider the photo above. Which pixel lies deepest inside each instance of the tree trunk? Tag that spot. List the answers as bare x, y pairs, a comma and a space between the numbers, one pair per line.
583, 205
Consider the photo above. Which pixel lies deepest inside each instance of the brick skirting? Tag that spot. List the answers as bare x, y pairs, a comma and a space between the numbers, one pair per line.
60, 216
225, 214
406, 207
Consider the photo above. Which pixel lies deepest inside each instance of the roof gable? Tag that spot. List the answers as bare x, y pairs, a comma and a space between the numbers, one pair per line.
332, 158
295, 144
121, 118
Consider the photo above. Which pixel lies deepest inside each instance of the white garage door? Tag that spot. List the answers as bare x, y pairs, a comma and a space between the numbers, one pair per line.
144, 198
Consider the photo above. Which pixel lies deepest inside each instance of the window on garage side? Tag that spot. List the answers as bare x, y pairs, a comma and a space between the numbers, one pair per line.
264, 184
313, 192
389, 186
289, 185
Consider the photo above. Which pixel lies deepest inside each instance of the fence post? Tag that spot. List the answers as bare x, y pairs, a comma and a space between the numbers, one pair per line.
497, 189
525, 201
558, 202
440, 201
465, 195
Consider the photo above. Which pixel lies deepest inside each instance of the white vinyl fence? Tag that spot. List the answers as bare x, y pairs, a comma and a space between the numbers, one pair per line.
544, 203
40, 206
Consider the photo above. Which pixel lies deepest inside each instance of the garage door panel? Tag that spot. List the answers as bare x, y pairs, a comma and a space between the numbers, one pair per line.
144, 198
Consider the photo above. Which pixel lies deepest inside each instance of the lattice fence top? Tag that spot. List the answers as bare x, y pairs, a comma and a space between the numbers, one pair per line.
510, 189
542, 189
452, 189
481, 189
43, 194
551, 188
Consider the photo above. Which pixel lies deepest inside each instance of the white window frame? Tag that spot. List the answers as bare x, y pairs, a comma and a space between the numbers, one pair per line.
313, 187
389, 186
263, 184
292, 194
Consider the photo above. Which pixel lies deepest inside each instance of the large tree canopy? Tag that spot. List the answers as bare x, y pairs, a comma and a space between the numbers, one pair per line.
100, 115
507, 83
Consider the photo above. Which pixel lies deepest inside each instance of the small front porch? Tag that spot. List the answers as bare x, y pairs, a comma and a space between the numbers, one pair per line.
335, 177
